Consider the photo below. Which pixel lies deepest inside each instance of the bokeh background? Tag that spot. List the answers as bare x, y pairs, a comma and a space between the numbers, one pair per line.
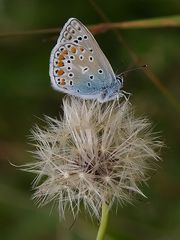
26, 96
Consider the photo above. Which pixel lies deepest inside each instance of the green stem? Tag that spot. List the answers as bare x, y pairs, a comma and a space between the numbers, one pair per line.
104, 222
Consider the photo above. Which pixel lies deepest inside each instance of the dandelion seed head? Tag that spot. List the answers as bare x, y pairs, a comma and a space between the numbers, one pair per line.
66, 175
96, 153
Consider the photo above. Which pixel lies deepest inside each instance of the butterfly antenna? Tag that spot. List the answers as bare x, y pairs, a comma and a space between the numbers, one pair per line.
133, 69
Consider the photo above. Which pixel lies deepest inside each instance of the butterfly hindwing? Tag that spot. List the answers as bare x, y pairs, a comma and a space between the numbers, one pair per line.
75, 70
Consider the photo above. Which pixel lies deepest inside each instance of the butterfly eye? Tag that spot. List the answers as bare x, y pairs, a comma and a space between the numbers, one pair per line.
120, 79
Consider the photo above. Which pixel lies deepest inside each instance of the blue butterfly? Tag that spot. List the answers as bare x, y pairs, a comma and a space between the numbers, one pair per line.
79, 67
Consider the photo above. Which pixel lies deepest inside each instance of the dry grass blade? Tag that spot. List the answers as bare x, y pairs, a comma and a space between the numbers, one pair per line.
30, 32
169, 21
163, 90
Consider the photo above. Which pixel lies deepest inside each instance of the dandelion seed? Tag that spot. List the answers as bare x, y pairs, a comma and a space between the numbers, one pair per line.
96, 153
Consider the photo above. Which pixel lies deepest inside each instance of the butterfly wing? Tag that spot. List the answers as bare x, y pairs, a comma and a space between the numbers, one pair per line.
77, 65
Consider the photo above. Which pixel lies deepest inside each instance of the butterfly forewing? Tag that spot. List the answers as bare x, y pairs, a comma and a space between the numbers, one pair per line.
76, 32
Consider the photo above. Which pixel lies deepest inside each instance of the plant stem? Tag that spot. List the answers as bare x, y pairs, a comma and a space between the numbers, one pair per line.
104, 222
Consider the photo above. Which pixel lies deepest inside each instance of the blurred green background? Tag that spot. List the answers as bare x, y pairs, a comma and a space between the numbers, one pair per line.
26, 95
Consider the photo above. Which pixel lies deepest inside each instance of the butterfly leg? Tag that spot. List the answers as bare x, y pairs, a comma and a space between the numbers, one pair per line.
125, 94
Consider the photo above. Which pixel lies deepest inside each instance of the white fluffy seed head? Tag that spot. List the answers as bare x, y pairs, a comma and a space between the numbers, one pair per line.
96, 153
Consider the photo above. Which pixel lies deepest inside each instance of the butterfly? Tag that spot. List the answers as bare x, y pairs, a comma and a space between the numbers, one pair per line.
79, 67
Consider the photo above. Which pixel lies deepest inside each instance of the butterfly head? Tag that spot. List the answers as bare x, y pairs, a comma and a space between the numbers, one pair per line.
120, 79
113, 91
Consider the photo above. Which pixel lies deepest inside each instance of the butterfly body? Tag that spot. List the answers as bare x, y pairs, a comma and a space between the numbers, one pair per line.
79, 67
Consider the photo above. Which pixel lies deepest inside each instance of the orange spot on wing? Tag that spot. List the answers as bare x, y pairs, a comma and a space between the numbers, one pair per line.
65, 51
60, 72
60, 64
61, 57
62, 82
73, 50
